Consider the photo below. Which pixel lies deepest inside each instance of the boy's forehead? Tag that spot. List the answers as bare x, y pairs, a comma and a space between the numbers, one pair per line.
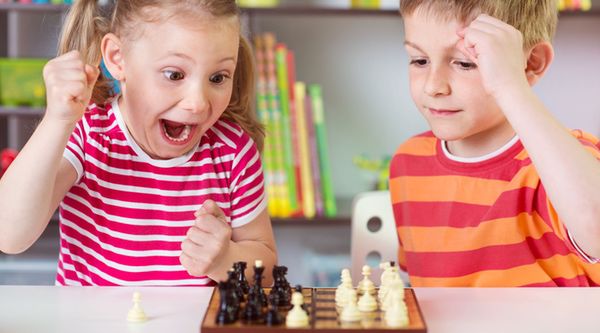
426, 31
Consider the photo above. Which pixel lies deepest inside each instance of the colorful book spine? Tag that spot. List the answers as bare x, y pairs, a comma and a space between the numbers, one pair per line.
280, 176
288, 155
263, 114
291, 75
314, 156
308, 202
314, 91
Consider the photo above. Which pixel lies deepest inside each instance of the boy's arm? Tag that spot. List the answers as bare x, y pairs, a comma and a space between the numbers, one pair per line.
212, 247
570, 174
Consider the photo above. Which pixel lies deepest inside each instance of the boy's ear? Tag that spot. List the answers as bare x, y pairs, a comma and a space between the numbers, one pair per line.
112, 53
538, 61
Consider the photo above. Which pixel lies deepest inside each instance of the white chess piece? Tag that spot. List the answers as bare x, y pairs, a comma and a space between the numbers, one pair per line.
296, 317
136, 314
385, 280
396, 287
366, 285
341, 297
350, 313
397, 312
367, 303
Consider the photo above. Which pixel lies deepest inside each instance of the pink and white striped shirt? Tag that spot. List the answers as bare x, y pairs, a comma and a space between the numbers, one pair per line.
123, 221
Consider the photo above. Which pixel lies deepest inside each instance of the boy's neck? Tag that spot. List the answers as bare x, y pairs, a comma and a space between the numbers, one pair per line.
481, 144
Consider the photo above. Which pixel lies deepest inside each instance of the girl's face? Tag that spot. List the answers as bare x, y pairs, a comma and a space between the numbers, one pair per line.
176, 80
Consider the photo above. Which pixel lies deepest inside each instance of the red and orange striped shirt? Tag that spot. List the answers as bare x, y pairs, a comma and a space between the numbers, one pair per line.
123, 221
485, 223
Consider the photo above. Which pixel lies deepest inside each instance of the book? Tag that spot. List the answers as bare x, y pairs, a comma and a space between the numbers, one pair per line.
329, 203
308, 198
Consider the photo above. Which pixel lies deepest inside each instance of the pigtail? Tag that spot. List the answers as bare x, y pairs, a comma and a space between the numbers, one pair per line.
83, 30
241, 108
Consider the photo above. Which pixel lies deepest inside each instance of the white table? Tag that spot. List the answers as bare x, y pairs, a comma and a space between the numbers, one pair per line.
180, 310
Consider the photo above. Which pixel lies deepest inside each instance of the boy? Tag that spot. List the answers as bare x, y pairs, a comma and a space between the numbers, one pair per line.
498, 193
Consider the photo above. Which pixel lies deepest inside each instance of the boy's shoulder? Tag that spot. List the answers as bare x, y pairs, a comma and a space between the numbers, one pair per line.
421, 144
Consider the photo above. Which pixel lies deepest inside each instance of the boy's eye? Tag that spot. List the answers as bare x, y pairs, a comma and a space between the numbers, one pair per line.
418, 62
218, 78
466, 65
174, 75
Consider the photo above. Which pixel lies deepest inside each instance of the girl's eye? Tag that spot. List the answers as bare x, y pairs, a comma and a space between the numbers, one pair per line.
174, 75
218, 78
418, 62
466, 65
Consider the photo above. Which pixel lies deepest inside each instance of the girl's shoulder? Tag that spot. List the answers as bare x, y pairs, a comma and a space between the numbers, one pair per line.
228, 134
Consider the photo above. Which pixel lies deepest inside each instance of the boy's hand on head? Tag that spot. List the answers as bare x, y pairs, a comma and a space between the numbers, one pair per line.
206, 241
69, 85
497, 49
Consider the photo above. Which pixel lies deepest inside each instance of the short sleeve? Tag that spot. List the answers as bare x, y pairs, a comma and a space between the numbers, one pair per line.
74, 150
247, 185
591, 145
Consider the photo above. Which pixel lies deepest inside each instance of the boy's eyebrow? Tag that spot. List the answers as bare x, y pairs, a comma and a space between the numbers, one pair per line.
413, 45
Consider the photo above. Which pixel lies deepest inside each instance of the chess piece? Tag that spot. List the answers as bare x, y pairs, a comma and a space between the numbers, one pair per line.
366, 285
273, 318
297, 317
396, 287
367, 303
281, 286
228, 310
350, 314
242, 284
397, 313
298, 289
341, 298
136, 314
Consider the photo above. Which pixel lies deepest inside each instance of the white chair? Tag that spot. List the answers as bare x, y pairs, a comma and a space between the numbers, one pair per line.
373, 233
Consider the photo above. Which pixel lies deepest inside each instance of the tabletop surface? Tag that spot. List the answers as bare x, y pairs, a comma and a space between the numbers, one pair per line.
181, 309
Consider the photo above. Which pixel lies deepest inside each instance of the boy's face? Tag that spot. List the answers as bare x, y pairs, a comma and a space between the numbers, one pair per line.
446, 86
177, 81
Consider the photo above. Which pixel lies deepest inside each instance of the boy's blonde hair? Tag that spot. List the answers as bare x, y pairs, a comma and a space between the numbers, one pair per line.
536, 19
87, 23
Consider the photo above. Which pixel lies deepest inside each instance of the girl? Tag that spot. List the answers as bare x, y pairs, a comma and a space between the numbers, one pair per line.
161, 185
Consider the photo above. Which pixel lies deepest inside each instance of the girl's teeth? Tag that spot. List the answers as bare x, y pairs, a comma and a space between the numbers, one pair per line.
182, 137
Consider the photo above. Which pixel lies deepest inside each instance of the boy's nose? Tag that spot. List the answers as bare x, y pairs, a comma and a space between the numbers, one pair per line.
437, 83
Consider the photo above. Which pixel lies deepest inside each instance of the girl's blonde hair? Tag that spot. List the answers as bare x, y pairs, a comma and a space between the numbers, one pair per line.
536, 20
87, 23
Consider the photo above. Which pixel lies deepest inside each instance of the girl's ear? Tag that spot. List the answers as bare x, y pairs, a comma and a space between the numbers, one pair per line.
112, 53
538, 61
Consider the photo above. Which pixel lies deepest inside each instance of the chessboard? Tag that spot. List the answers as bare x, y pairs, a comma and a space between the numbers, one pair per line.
323, 314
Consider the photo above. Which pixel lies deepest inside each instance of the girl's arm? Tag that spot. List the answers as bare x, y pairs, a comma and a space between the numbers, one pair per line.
39, 177
33, 186
212, 247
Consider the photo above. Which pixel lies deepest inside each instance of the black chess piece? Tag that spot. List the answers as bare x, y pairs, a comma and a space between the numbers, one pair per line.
234, 297
240, 269
273, 317
225, 315
257, 288
281, 286
252, 312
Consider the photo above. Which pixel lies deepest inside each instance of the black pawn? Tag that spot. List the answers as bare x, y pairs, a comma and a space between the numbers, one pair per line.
225, 313
273, 317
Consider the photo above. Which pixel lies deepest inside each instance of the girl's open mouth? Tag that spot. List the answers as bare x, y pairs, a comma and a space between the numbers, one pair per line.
175, 132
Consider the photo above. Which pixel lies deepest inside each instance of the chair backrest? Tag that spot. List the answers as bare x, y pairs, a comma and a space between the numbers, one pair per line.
373, 233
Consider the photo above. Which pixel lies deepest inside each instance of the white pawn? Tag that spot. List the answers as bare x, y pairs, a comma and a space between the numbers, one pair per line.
350, 314
397, 313
136, 314
367, 303
297, 317
341, 297
366, 285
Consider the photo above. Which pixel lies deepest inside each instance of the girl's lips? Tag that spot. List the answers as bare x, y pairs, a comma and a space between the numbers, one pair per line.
443, 112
